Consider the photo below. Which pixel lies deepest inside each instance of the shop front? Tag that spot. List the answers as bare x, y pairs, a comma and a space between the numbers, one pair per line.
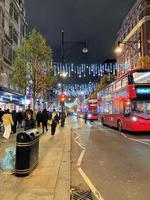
11, 100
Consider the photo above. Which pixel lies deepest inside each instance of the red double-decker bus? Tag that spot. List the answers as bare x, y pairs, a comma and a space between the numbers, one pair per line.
91, 108
125, 103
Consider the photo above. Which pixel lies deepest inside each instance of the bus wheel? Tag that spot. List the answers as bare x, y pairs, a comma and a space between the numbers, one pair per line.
102, 121
119, 126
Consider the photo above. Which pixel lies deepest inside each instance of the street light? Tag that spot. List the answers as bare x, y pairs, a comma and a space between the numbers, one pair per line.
120, 46
63, 75
63, 42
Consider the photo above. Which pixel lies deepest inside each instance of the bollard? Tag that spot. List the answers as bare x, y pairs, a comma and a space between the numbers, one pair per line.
27, 152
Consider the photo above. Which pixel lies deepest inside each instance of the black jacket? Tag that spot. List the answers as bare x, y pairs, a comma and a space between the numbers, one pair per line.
45, 116
1, 114
29, 124
39, 117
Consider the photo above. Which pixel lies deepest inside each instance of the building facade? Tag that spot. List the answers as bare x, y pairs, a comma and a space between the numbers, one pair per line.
134, 36
12, 32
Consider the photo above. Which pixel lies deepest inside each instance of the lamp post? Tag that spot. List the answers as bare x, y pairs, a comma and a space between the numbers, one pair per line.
134, 53
63, 43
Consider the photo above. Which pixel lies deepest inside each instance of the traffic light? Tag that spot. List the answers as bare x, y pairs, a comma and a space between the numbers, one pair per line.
62, 98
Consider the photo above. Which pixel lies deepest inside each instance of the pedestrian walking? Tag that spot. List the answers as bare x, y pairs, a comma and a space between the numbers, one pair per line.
55, 121
1, 114
39, 118
62, 118
45, 118
85, 117
20, 118
14, 117
29, 122
8, 122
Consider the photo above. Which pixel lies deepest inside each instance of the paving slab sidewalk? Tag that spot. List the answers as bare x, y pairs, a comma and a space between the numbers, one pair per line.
51, 179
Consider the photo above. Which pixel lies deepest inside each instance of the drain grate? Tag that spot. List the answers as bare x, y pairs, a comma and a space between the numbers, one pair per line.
77, 194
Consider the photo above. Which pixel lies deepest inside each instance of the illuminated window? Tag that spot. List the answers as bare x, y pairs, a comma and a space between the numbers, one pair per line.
141, 77
125, 82
118, 85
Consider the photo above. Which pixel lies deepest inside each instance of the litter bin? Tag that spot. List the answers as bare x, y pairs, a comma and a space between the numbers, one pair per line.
27, 152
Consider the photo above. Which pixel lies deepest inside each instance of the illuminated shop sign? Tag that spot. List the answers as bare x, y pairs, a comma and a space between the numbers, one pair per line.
145, 91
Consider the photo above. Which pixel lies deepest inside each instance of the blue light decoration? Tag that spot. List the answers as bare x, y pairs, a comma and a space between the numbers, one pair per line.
77, 89
93, 72
82, 70
144, 91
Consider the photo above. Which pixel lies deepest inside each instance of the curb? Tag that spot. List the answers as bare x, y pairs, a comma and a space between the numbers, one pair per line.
62, 190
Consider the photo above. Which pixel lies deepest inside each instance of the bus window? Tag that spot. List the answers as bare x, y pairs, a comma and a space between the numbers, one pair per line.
124, 82
141, 106
127, 108
114, 87
141, 77
118, 85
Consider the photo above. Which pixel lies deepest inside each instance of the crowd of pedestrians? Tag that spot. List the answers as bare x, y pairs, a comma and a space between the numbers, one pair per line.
9, 122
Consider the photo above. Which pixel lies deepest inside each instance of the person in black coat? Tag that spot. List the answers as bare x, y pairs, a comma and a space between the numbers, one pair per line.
62, 118
85, 117
29, 122
14, 117
20, 118
1, 115
39, 118
55, 121
45, 118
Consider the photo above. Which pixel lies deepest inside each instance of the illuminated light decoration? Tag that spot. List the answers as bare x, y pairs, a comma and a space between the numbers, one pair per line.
77, 89
72, 67
143, 91
82, 69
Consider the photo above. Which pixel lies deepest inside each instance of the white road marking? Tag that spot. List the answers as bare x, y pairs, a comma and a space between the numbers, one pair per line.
90, 184
84, 176
82, 147
139, 141
133, 139
80, 158
124, 135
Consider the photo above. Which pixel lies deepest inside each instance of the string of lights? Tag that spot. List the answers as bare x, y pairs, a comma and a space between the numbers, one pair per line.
77, 75
77, 89
83, 70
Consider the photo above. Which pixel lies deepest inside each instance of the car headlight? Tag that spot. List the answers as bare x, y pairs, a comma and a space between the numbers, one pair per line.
134, 119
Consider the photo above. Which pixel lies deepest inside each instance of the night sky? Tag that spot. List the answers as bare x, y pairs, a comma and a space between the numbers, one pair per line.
93, 21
